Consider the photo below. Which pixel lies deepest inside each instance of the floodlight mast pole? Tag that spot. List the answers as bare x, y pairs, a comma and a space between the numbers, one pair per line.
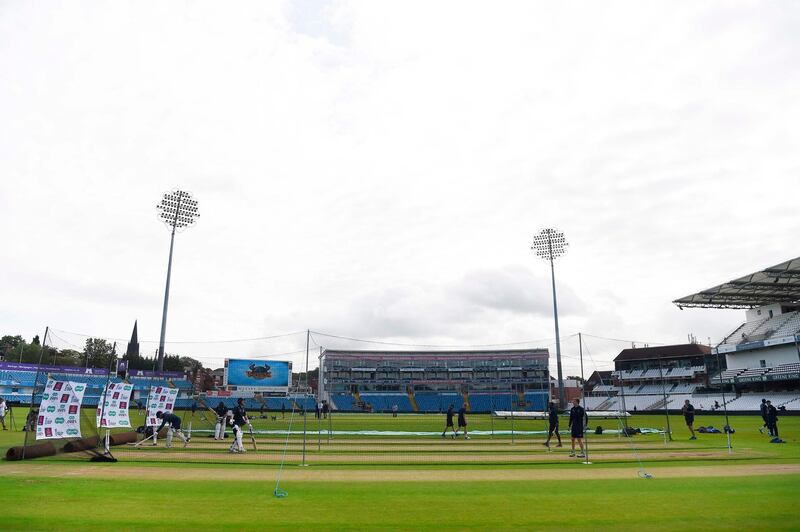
166, 296
178, 210
547, 249
562, 397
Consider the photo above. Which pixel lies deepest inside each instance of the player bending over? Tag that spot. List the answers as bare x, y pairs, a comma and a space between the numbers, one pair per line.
552, 416
577, 423
173, 424
238, 421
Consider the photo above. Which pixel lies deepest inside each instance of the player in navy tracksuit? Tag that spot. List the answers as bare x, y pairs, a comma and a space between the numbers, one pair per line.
552, 417
688, 416
174, 423
450, 413
222, 412
577, 424
772, 419
239, 420
462, 421
764, 417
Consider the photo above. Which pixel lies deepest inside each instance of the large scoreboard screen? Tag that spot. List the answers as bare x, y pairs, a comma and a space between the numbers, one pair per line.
258, 375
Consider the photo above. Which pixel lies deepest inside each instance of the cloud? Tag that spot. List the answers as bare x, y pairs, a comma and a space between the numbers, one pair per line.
368, 169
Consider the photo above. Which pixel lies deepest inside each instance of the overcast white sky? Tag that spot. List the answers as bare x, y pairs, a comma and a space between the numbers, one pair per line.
378, 170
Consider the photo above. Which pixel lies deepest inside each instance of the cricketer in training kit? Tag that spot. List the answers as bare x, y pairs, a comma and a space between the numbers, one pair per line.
577, 424
450, 412
239, 420
552, 417
462, 421
219, 429
174, 427
688, 416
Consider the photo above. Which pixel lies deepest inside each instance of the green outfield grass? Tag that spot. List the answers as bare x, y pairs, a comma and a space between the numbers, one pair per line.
746, 437
33, 500
710, 504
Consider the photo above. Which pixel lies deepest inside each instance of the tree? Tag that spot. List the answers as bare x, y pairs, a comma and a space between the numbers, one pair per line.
172, 363
9, 344
98, 353
191, 365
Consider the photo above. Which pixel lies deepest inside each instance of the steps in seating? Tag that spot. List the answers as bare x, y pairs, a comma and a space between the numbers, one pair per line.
413, 401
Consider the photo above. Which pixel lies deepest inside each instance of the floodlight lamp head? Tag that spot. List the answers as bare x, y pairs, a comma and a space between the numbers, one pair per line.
178, 209
549, 244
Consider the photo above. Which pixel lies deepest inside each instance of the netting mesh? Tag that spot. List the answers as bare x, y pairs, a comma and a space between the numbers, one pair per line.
503, 425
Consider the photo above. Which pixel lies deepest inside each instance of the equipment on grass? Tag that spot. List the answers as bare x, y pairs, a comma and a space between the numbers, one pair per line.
31, 451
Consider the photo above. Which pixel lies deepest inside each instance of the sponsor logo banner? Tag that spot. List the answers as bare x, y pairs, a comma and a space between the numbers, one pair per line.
113, 406
58, 411
160, 398
15, 366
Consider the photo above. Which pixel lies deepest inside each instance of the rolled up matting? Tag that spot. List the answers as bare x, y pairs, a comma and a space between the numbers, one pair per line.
121, 438
31, 451
83, 444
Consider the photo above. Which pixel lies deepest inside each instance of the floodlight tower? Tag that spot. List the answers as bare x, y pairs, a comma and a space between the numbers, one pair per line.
549, 244
178, 210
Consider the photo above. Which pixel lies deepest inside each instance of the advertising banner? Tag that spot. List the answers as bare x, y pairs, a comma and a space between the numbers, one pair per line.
60, 410
15, 366
160, 398
113, 407
258, 375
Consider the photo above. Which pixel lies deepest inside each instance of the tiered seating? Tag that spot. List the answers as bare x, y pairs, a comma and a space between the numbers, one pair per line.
784, 369
186, 402
744, 331
611, 403
487, 402
593, 403
343, 401
653, 373
790, 327
683, 388
706, 402
640, 402
604, 388
439, 402
754, 372
629, 374
648, 389
679, 372
24, 378
534, 400
383, 402
729, 374
275, 403
752, 401
675, 401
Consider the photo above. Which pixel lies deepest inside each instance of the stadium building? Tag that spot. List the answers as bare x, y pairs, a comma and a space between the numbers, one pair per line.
762, 355
430, 381
655, 378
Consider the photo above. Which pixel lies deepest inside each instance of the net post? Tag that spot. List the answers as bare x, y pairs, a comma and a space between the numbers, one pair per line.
585, 408
512, 416
491, 413
330, 424
32, 426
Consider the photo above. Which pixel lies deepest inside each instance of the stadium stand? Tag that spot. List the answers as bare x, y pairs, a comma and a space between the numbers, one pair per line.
683, 388
383, 402
429, 381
